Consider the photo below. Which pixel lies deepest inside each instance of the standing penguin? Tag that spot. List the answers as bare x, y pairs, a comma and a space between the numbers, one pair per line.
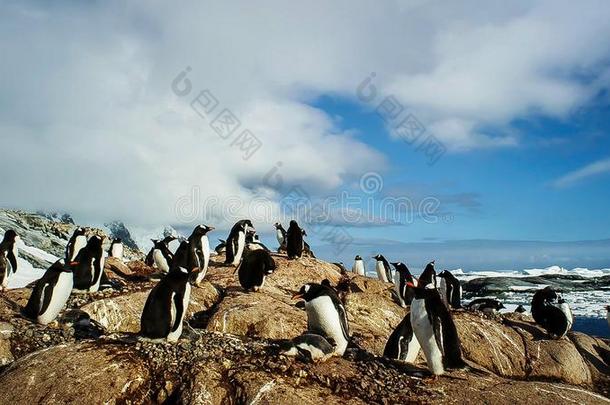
253, 242
435, 330
256, 266
166, 306
384, 272
200, 246
402, 276
450, 288
88, 266
402, 344
50, 294
326, 314
77, 241
280, 234
294, 240
565, 308
116, 249
358, 267
554, 319
428, 276
9, 253
160, 256
236, 242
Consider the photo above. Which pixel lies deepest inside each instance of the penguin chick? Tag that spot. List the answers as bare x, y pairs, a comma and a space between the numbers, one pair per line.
309, 348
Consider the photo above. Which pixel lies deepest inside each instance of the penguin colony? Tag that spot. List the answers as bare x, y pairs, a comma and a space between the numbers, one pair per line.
429, 300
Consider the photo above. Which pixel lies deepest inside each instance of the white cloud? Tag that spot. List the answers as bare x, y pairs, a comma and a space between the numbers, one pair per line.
87, 111
591, 170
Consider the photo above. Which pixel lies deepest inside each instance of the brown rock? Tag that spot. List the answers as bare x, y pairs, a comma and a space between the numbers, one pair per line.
84, 373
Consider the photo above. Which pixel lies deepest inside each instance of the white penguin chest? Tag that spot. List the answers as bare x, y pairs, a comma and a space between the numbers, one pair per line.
381, 274
280, 236
323, 316
79, 243
160, 261
59, 297
117, 251
358, 267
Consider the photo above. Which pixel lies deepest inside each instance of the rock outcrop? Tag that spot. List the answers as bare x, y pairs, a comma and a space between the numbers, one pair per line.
227, 352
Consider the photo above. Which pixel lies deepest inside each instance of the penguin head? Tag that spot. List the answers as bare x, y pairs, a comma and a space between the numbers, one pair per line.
11, 236
608, 308
400, 267
79, 231
201, 230
378, 257
168, 239
277, 225
358, 258
95, 241
117, 241
548, 294
293, 225
303, 232
312, 291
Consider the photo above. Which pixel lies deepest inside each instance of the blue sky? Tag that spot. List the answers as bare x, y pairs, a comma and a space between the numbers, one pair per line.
111, 112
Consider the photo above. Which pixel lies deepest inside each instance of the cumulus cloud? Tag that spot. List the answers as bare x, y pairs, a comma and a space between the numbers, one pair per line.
93, 126
591, 170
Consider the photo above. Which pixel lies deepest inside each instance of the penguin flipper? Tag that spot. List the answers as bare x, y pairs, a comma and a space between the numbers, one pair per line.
149, 258
179, 312
12, 260
46, 297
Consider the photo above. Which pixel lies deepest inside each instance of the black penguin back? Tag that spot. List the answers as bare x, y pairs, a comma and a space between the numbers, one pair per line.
256, 265
294, 236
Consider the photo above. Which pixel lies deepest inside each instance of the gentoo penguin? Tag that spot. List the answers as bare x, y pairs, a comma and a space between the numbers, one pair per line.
326, 314
341, 267
9, 253
358, 266
428, 276
160, 256
50, 294
402, 276
166, 306
565, 308
435, 330
450, 288
294, 240
116, 249
309, 347
236, 242
553, 318
200, 246
77, 241
88, 266
221, 247
384, 272
486, 305
402, 344
254, 268
280, 233
253, 242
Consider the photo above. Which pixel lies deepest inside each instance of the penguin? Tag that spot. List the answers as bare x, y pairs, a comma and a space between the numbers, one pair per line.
236, 242
435, 329
294, 241
402, 344
341, 267
555, 319
9, 253
326, 314
309, 347
402, 276
307, 249
77, 241
428, 275
200, 246
280, 234
166, 306
358, 267
221, 247
608, 315
88, 266
451, 290
50, 294
256, 266
384, 272
116, 249
253, 242
160, 256
485, 305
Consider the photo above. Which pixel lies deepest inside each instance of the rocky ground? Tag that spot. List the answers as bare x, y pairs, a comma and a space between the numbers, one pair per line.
227, 353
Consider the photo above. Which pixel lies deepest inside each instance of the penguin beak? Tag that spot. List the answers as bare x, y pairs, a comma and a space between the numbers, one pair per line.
411, 285
297, 296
